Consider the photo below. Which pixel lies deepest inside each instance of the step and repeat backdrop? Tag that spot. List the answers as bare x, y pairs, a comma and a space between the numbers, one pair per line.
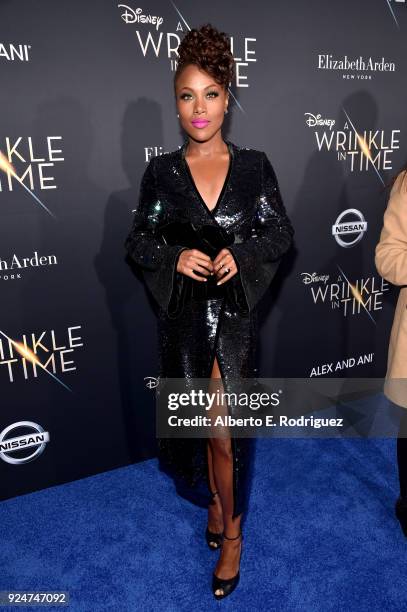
86, 100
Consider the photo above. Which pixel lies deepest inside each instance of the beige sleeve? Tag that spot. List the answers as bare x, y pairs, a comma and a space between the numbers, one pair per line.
391, 251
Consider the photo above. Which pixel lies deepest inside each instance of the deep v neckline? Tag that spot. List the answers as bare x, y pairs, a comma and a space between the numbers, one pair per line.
212, 211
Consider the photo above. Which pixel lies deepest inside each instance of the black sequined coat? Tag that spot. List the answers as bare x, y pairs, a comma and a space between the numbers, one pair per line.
196, 320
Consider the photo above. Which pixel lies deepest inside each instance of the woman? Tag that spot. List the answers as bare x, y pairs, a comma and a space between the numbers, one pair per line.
391, 263
208, 234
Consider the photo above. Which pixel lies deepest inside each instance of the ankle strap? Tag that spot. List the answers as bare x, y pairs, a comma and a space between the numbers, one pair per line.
238, 536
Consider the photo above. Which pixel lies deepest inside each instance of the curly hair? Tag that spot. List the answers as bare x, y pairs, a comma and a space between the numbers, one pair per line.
208, 49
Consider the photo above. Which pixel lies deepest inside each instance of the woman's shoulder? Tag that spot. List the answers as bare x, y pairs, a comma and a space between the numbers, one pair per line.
249, 152
397, 199
165, 159
400, 184
255, 156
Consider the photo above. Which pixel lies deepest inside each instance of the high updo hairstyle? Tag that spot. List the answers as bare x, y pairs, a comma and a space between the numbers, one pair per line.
208, 49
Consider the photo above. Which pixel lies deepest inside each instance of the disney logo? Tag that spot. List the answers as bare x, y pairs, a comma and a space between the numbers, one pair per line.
314, 120
136, 15
314, 278
152, 382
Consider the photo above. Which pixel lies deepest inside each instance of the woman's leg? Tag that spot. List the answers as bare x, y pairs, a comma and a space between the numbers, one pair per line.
222, 461
215, 514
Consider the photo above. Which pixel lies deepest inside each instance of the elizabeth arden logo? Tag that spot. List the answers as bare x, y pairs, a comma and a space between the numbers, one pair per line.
12, 268
362, 68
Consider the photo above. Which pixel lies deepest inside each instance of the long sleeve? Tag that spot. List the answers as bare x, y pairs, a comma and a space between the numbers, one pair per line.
157, 260
391, 251
258, 257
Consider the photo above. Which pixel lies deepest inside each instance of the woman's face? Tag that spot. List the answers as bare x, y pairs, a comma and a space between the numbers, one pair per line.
201, 103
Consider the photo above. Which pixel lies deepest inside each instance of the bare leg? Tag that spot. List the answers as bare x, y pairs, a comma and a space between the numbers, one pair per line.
222, 461
215, 515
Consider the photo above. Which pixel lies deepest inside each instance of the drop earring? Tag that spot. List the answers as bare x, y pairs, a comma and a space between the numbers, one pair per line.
178, 115
226, 111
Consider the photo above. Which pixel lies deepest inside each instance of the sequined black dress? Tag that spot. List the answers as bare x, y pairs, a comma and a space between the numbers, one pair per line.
198, 320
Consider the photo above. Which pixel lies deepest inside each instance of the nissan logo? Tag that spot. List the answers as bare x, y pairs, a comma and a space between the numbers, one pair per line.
350, 223
11, 445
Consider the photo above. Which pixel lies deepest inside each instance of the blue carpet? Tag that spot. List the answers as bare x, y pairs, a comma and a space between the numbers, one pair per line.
320, 535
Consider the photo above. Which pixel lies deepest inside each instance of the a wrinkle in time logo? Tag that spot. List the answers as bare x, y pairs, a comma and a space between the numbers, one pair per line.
393, 6
29, 166
154, 41
363, 150
14, 53
32, 166
47, 352
363, 296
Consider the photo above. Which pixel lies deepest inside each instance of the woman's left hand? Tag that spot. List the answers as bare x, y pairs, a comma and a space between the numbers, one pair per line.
224, 266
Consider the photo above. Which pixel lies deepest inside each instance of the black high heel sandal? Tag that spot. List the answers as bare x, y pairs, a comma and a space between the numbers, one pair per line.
229, 585
214, 540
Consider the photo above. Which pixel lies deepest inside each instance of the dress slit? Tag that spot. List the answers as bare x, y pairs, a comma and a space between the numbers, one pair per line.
214, 352
233, 447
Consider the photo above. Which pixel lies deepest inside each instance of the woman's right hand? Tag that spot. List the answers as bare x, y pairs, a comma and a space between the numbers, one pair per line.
191, 261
